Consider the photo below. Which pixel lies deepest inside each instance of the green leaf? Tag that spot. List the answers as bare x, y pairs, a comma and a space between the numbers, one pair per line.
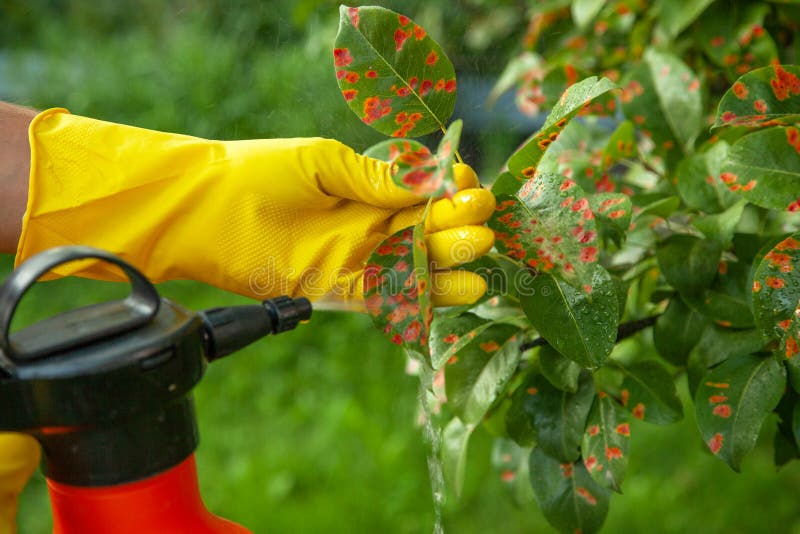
662, 97
558, 417
580, 325
518, 425
524, 161
451, 334
503, 275
728, 302
677, 331
397, 289
507, 184
511, 462
768, 96
717, 345
455, 440
622, 145
584, 11
549, 226
785, 445
562, 372
606, 443
392, 74
677, 15
613, 215
732, 402
735, 39
776, 288
648, 392
699, 182
689, 263
764, 168
789, 350
721, 226
478, 373
568, 496
416, 169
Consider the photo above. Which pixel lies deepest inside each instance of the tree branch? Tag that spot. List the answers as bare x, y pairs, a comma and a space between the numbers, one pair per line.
624, 330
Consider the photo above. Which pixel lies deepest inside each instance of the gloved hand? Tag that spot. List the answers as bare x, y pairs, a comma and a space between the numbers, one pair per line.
260, 218
19, 456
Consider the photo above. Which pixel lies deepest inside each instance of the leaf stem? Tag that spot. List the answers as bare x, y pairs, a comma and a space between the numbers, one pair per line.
624, 330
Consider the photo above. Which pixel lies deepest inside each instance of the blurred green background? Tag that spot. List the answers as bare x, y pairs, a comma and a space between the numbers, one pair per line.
314, 431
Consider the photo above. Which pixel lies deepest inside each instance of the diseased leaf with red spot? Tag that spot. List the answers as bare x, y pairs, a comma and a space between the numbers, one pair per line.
776, 288
417, 169
622, 145
568, 496
663, 99
580, 324
764, 168
735, 39
769, 96
397, 289
480, 368
606, 442
450, 334
406, 84
648, 392
727, 301
732, 402
510, 462
549, 226
523, 162
717, 345
789, 349
699, 182
613, 213
557, 417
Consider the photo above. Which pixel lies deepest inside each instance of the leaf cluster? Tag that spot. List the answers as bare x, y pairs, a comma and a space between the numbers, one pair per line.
662, 187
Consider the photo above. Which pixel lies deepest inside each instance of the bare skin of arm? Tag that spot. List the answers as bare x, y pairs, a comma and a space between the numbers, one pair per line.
15, 162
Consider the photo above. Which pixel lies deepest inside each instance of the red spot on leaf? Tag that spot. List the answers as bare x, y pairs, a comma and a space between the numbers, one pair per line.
352, 12
613, 453
400, 37
718, 385
588, 254
490, 346
791, 347
775, 282
508, 476
412, 331
728, 116
593, 430
403, 20
566, 470
715, 443
419, 33
342, 57
432, 58
590, 463
728, 177
722, 410
349, 94
717, 399
623, 429
638, 411
760, 106
426, 87
587, 496
532, 391
624, 397
740, 90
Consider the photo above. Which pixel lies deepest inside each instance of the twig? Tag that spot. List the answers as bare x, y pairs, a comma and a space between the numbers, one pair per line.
624, 330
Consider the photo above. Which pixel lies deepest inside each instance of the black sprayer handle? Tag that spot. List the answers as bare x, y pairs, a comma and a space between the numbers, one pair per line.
77, 327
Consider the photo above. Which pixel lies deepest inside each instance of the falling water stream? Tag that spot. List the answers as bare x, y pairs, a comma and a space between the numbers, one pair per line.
433, 436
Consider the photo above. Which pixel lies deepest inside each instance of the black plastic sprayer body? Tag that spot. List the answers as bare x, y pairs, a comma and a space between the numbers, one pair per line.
106, 388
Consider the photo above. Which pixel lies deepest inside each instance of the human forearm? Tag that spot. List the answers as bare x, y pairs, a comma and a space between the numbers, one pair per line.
15, 158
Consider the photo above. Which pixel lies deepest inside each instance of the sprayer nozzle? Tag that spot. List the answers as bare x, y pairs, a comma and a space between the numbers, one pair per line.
232, 328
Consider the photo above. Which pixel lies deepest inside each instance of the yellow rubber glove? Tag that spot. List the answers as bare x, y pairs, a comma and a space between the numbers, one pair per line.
260, 218
19, 456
